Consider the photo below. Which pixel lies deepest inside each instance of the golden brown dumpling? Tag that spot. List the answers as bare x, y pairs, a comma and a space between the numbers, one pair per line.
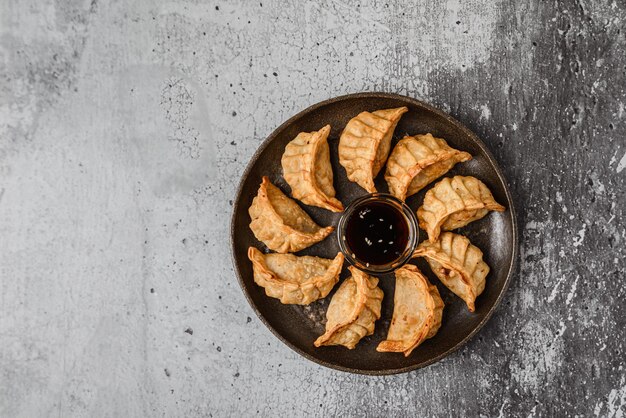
453, 203
417, 312
458, 264
418, 160
307, 170
280, 223
352, 311
365, 142
292, 279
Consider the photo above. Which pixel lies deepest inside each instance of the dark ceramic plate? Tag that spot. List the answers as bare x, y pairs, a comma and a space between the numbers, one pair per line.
299, 326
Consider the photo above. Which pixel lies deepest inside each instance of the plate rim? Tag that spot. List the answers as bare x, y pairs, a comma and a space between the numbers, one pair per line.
448, 118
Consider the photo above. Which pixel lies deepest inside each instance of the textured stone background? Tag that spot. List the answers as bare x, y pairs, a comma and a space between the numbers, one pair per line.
124, 128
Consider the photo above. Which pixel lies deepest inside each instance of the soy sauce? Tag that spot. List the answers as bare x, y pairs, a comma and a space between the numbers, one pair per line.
377, 233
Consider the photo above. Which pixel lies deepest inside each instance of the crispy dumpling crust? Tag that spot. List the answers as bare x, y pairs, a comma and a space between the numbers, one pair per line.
418, 160
293, 279
417, 312
280, 223
353, 310
364, 144
307, 170
458, 264
453, 203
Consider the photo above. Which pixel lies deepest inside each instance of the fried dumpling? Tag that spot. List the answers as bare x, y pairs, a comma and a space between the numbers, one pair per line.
307, 170
293, 279
280, 223
364, 144
458, 264
453, 203
417, 312
418, 160
352, 311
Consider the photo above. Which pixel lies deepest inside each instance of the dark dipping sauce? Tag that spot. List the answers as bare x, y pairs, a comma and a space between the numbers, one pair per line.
377, 233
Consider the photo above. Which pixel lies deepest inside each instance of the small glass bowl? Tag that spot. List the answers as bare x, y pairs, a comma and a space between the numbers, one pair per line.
409, 218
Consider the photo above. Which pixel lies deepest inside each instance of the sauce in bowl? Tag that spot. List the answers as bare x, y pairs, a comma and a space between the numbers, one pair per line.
377, 233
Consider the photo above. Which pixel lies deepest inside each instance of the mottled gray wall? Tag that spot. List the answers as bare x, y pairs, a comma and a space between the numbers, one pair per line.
124, 128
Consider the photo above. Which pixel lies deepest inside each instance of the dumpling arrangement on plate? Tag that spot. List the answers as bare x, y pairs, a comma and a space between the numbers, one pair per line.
417, 312
280, 223
353, 310
283, 226
418, 160
453, 203
365, 142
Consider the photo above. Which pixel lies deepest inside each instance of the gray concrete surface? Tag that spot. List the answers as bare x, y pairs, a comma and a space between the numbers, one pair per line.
124, 128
